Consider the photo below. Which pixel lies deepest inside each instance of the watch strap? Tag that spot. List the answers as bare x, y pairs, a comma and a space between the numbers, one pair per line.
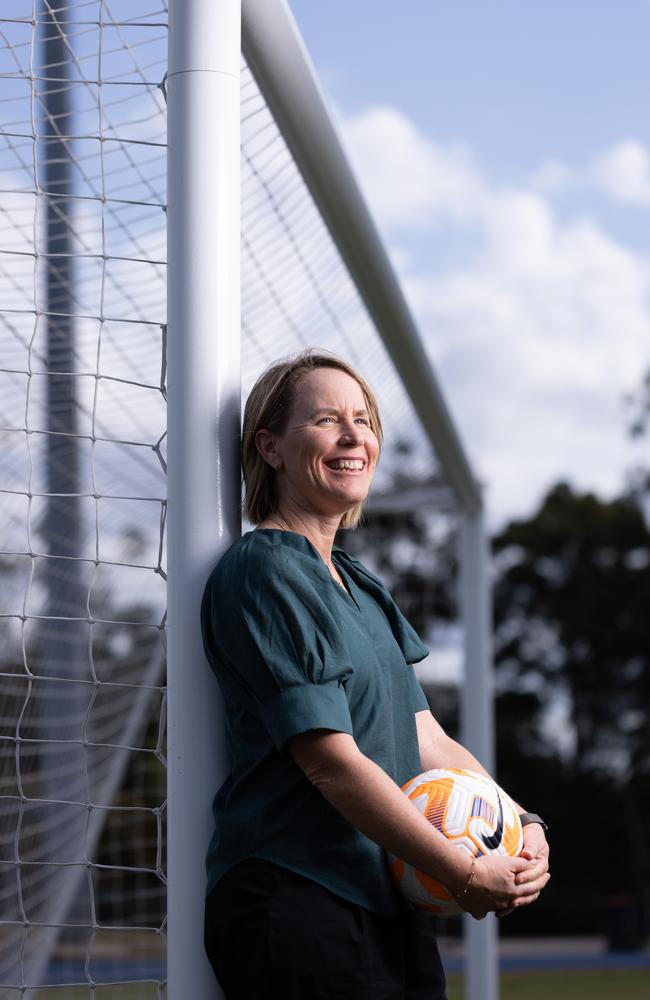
526, 818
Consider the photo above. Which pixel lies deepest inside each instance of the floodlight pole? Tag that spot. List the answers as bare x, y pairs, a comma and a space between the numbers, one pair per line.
63, 635
477, 727
203, 349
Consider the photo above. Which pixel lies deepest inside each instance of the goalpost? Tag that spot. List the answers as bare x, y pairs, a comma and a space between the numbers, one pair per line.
125, 206
276, 56
203, 420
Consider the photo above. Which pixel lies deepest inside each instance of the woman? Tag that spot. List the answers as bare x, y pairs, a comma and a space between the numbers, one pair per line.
325, 722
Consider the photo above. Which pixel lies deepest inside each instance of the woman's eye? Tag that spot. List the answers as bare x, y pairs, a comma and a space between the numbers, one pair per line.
357, 420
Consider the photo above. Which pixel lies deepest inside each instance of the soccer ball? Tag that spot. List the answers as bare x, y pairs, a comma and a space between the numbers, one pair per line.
473, 813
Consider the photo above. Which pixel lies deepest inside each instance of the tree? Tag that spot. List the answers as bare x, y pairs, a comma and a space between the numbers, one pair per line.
571, 597
572, 649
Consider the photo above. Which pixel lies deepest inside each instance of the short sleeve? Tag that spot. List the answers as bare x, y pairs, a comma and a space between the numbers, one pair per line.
277, 645
420, 703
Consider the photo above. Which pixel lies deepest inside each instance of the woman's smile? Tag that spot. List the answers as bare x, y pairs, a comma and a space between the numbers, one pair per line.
346, 464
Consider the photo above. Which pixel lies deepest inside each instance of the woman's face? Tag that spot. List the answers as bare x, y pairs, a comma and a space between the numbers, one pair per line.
328, 451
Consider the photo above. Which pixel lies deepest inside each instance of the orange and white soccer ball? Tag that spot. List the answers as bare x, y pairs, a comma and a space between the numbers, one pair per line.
472, 812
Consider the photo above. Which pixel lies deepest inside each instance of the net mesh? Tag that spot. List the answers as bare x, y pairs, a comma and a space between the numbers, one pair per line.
82, 472
82, 272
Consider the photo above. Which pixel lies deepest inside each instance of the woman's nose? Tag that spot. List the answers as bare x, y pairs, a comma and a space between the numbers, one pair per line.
350, 432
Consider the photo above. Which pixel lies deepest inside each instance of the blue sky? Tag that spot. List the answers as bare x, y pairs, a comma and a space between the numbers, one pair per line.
505, 152
515, 80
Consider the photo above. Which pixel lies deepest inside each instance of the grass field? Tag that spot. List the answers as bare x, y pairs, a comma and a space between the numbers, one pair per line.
141, 991
596, 985
593, 985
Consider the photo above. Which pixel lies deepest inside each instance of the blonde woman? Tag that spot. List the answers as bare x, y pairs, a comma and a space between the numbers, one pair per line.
325, 722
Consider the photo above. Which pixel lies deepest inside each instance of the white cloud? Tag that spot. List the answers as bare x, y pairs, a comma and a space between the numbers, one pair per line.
540, 330
537, 358
623, 173
414, 181
554, 176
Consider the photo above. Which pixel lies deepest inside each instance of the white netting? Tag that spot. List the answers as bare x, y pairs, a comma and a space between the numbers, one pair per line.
82, 469
82, 506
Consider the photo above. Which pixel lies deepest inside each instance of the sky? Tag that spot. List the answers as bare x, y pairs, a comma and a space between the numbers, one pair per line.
504, 150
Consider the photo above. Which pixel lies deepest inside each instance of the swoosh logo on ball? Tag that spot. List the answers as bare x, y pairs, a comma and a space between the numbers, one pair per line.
494, 841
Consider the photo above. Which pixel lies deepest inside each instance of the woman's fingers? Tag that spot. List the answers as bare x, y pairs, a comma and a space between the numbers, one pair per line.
532, 873
529, 893
535, 842
520, 864
496, 887
503, 885
493, 886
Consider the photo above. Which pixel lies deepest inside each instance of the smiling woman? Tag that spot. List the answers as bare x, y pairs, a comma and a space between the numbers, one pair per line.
325, 721
319, 390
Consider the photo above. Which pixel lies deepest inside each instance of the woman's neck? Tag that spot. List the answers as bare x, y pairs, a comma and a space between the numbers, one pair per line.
319, 530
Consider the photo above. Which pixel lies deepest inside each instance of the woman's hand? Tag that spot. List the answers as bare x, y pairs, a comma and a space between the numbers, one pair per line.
535, 849
535, 844
500, 884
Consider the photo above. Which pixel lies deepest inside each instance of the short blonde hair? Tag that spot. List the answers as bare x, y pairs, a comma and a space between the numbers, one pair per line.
269, 407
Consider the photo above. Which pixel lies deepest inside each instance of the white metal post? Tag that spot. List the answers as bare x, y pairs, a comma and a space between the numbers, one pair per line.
203, 430
477, 730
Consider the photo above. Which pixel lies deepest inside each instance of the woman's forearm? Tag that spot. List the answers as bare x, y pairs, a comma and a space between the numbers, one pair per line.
439, 750
459, 756
371, 801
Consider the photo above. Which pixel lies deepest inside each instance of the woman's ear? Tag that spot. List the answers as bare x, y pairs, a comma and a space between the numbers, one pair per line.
266, 444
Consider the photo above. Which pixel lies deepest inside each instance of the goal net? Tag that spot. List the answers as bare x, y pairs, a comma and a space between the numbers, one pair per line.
83, 463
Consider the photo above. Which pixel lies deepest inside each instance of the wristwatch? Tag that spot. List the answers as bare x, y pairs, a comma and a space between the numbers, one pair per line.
526, 818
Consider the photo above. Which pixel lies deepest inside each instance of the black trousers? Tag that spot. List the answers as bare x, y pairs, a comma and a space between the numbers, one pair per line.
271, 934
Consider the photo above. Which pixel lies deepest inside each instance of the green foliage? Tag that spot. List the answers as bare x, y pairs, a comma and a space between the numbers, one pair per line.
572, 632
572, 594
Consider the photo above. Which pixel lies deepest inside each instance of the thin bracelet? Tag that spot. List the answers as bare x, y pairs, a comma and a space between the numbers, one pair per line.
468, 883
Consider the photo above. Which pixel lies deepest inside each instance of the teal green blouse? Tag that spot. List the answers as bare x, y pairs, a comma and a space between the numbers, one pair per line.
294, 651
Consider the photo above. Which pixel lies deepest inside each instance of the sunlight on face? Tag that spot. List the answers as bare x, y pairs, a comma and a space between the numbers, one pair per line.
329, 450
